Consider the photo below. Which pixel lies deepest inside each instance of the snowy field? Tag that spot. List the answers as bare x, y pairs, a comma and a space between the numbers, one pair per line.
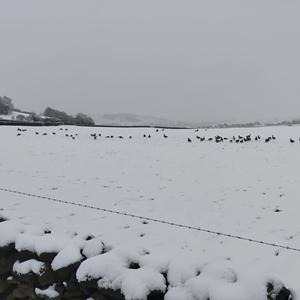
249, 189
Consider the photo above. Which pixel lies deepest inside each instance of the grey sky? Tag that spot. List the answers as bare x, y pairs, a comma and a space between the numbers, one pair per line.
186, 60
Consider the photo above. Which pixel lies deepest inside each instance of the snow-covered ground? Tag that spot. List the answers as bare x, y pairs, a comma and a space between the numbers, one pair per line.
249, 189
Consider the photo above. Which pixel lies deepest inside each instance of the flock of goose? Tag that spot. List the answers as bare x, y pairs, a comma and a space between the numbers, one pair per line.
217, 139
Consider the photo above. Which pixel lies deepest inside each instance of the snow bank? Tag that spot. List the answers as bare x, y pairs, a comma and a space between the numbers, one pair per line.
68, 256
113, 272
8, 232
28, 266
41, 244
50, 292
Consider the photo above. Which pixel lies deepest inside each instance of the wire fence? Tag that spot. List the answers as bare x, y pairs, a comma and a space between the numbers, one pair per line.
160, 221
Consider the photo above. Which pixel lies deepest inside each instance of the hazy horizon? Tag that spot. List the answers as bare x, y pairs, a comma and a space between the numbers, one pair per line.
179, 60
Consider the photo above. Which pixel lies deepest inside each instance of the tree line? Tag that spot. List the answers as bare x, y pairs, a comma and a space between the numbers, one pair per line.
50, 115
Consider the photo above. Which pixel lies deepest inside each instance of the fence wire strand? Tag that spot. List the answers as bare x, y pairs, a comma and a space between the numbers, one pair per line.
160, 221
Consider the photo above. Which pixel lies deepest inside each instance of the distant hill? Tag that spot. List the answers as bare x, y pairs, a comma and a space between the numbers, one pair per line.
127, 119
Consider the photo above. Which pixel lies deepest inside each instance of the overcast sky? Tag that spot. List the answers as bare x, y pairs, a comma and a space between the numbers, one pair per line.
186, 60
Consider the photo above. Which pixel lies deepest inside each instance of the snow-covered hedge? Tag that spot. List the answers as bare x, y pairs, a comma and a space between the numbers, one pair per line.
44, 266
